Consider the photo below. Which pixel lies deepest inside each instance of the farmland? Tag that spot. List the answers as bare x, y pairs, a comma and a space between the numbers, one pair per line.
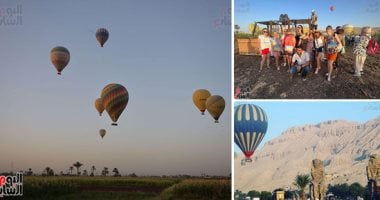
58, 187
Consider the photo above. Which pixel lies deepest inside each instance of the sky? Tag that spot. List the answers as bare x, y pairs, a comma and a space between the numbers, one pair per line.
357, 12
284, 115
161, 51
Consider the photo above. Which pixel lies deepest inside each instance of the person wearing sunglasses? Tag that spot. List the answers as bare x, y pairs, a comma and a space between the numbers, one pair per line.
289, 43
265, 48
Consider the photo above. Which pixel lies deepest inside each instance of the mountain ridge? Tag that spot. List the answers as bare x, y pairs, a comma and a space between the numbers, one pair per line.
344, 147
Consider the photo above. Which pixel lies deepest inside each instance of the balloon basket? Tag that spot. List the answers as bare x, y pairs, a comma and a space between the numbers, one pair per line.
114, 124
216, 121
202, 113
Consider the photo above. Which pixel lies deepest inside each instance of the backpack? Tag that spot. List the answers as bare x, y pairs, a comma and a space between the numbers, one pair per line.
373, 47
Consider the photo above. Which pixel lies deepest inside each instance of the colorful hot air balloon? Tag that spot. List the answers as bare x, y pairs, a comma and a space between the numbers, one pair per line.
250, 126
215, 106
102, 132
99, 106
199, 98
332, 8
102, 36
115, 99
60, 57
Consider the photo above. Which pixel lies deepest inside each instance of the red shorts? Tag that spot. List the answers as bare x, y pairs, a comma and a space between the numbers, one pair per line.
265, 51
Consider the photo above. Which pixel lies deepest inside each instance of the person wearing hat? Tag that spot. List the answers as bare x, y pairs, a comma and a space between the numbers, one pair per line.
314, 20
360, 50
339, 31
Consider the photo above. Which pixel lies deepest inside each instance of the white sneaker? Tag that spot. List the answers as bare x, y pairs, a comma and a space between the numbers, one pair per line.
329, 79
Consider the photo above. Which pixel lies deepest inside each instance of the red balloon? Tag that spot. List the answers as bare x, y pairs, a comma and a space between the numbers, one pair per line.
332, 8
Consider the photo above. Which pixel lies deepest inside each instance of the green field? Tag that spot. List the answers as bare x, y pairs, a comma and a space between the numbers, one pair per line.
38, 187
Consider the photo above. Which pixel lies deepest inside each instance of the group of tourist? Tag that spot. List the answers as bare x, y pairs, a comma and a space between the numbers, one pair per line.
302, 51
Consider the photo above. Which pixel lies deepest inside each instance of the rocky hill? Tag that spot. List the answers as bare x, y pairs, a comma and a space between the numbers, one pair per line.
343, 146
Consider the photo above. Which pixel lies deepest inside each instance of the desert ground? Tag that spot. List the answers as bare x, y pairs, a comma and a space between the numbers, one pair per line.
273, 84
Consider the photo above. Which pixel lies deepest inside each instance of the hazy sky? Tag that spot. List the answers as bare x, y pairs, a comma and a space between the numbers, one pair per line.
356, 12
161, 51
283, 115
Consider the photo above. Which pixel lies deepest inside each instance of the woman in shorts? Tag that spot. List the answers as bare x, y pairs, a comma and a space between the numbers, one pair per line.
331, 44
289, 44
265, 48
310, 49
318, 44
276, 47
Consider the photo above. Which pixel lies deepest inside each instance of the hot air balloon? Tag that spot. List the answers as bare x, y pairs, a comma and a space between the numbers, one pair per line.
251, 27
250, 126
199, 98
215, 106
102, 132
115, 99
60, 57
102, 36
332, 8
348, 29
99, 106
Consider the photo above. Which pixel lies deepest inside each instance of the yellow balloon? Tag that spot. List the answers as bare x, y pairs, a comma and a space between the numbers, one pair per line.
99, 105
251, 27
348, 29
215, 106
199, 98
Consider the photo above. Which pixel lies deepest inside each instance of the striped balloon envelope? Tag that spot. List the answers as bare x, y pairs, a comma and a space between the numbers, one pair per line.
115, 99
99, 106
251, 123
102, 36
60, 57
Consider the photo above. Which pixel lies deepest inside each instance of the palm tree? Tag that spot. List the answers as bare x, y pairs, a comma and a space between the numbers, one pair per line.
71, 170
47, 169
77, 165
105, 171
301, 181
29, 172
116, 171
93, 170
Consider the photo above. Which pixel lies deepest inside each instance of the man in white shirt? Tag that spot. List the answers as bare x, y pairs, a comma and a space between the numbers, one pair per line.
300, 63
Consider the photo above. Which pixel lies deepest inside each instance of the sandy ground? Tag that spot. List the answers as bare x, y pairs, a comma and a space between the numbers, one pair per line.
273, 84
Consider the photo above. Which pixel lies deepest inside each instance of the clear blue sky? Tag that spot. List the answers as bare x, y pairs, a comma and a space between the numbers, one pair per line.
356, 12
283, 115
160, 50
